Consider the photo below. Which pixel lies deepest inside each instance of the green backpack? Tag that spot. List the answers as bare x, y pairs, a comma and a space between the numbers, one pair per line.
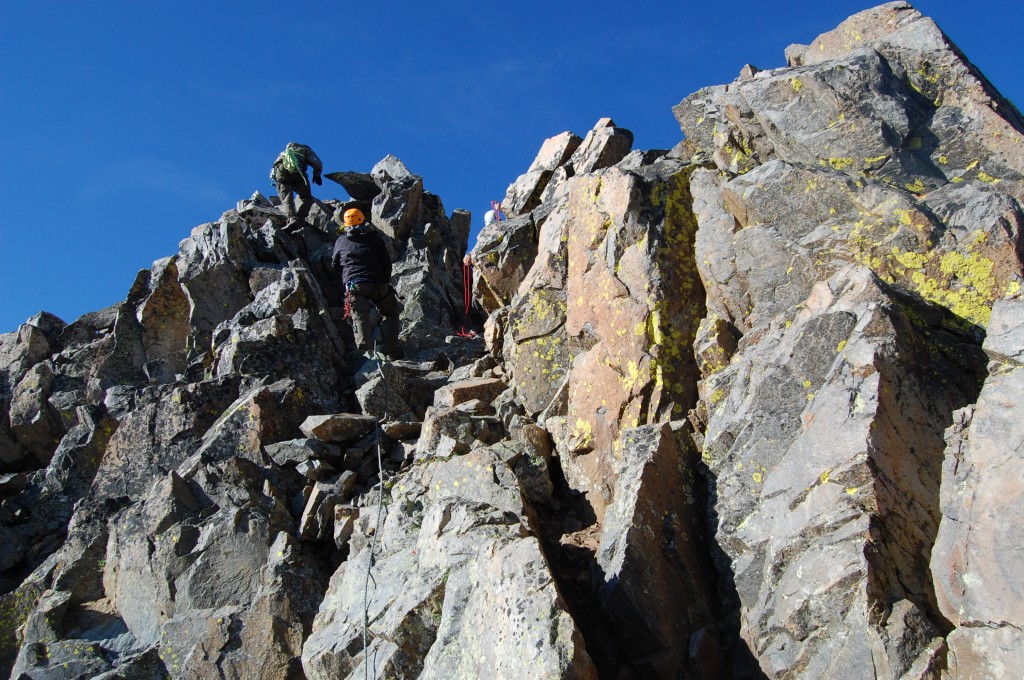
292, 159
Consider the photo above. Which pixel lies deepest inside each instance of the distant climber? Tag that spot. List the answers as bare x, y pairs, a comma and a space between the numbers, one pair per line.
289, 175
495, 214
365, 265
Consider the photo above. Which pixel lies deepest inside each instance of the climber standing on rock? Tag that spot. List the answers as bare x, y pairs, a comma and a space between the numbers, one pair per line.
289, 175
365, 265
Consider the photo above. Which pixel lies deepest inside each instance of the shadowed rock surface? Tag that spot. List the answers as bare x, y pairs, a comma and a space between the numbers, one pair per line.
746, 408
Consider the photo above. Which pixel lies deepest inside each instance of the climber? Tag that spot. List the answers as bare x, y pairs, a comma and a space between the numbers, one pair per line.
499, 214
365, 265
289, 175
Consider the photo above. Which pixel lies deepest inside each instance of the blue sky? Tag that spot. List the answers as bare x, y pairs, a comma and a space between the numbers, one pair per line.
126, 124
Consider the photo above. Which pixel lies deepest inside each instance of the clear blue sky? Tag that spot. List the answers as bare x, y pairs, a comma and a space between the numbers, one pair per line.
126, 124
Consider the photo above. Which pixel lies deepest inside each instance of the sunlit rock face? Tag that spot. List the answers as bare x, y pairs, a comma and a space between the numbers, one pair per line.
745, 408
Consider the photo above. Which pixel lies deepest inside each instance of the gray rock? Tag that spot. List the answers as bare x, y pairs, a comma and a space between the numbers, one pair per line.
450, 561
315, 470
527, 192
656, 586
382, 391
396, 210
32, 420
976, 549
795, 55
1004, 343
555, 151
403, 429
531, 470
164, 317
930, 104
449, 431
317, 522
819, 464
213, 269
338, 428
264, 415
359, 185
503, 254
296, 451
159, 436
797, 293
13, 482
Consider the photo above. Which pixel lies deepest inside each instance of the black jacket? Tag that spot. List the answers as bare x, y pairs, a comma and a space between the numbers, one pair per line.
361, 256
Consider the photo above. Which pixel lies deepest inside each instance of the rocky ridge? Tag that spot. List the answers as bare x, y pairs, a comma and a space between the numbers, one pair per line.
743, 408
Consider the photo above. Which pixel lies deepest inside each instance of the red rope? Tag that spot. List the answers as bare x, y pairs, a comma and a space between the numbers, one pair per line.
467, 298
348, 304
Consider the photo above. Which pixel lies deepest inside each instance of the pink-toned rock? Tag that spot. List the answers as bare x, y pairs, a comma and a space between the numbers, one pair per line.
484, 389
525, 193
555, 151
603, 147
978, 557
634, 315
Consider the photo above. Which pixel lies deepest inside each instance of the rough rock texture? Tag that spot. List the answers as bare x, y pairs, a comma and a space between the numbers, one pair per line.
858, 271
457, 588
745, 408
161, 515
641, 568
977, 561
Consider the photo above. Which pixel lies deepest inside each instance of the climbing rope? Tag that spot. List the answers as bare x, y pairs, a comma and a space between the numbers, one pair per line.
467, 299
380, 359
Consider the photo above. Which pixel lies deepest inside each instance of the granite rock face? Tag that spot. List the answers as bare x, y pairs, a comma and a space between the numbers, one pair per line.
742, 409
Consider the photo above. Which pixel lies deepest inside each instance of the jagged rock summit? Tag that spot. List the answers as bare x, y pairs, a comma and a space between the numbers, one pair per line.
745, 408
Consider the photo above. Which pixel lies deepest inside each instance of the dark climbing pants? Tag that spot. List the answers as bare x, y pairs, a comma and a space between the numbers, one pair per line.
366, 296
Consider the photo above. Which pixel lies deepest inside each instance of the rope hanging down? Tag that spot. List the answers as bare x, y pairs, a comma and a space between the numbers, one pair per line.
380, 359
467, 299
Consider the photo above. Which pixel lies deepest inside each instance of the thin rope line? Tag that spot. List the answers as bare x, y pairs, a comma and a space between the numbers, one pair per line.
379, 358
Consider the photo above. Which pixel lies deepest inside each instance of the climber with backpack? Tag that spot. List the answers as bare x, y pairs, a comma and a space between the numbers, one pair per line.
362, 257
289, 175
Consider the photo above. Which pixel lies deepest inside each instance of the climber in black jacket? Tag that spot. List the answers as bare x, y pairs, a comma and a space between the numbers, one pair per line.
365, 265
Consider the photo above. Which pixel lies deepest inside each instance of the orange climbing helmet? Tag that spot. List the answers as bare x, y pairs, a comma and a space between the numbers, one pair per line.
352, 217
